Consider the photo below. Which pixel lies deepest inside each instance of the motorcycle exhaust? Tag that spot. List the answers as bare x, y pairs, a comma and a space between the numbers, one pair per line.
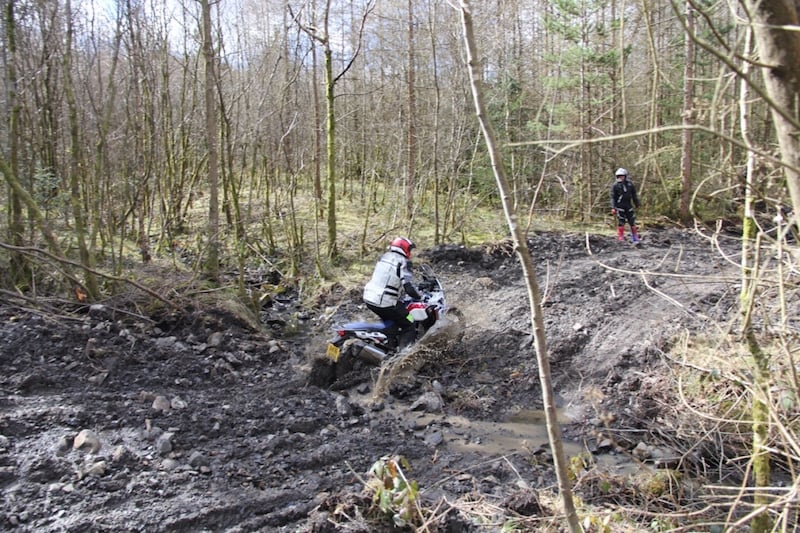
369, 353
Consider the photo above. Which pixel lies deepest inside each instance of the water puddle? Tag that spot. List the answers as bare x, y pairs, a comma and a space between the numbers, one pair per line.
523, 432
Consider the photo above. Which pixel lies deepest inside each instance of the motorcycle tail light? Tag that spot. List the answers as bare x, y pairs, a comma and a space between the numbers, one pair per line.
340, 332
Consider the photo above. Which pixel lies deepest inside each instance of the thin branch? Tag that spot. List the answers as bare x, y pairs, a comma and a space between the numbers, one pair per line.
367, 11
570, 144
759, 90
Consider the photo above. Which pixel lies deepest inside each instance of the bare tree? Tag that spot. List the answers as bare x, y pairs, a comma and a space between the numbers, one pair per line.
19, 268
528, 271
323, 37
437, 95
688, 117
778, 45
77, 166
411, 166
212, 140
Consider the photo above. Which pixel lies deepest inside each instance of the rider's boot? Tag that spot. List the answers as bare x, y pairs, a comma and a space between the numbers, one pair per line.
620, 233
634, 234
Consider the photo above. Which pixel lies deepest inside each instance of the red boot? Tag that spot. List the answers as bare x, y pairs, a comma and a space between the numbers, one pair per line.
634, 234
620, 233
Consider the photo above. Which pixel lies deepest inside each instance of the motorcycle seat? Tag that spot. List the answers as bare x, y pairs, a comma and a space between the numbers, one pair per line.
370, 326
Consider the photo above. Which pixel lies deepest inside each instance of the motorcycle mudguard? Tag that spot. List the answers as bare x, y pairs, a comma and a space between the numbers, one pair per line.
376, 333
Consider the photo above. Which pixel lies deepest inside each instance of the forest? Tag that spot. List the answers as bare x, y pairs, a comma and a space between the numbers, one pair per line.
135, 122
225, 138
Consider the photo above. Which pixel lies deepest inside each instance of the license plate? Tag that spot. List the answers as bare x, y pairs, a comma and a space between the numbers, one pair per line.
333, 352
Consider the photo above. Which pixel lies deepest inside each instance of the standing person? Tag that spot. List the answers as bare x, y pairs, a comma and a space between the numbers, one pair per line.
623, 200
391, 278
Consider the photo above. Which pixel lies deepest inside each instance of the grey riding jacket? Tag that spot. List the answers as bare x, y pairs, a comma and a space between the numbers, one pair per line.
390, 278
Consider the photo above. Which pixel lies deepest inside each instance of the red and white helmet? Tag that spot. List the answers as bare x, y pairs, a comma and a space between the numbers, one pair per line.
403, 246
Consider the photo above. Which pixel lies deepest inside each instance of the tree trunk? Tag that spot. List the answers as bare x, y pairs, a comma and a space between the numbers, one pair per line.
778, 46
47, 232
654, 91
212, 259
688, 118
620, 122
100, 223
760, 413
411, 163
331, 152
18, 265
534, 297
317, 130
437, 225
77, 165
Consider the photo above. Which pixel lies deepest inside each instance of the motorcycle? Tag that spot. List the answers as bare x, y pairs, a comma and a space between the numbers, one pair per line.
375, 342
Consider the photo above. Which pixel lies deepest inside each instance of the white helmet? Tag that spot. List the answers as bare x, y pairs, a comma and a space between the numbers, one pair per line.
621, 172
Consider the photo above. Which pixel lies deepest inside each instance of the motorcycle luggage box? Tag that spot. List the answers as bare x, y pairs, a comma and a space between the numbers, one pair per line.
419, 314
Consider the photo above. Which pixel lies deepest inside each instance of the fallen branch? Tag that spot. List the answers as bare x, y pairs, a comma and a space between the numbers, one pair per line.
35, 252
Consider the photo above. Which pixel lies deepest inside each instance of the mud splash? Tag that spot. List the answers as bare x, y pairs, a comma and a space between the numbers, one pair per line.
436, 343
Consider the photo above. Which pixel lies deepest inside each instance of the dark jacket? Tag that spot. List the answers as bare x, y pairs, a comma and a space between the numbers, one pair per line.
623, 195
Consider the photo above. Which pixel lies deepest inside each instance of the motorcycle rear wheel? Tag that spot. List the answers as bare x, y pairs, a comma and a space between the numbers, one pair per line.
345, 364
322, 373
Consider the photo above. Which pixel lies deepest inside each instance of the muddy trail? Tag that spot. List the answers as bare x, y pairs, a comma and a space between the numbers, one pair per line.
114, 420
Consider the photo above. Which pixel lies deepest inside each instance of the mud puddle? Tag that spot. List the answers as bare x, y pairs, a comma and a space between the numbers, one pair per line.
494, 438
522, 433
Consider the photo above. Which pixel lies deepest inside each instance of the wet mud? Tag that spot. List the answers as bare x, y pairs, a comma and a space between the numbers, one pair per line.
116, 420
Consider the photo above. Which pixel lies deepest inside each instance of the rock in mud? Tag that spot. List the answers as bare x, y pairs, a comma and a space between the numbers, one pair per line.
430, 402
160, 403
164, 443
87, 440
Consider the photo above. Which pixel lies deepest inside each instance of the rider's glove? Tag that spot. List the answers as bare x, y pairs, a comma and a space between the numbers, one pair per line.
613, 211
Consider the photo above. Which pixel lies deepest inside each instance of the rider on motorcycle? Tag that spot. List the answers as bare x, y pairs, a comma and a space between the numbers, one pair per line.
391, 278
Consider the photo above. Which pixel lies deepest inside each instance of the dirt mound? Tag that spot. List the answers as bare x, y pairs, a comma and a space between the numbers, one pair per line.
112, 421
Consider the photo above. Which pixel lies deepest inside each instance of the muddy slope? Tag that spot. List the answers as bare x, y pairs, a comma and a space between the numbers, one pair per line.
115, 421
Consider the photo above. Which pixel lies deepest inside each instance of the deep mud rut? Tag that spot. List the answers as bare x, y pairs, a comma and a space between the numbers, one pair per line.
115, 421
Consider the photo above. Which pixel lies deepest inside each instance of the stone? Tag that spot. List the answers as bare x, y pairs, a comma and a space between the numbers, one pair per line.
642, 451
343, 406
164, 443
161, 404
87, 440
178, 403
429, 402
96, 469
197, 459
215, 339
434, 438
